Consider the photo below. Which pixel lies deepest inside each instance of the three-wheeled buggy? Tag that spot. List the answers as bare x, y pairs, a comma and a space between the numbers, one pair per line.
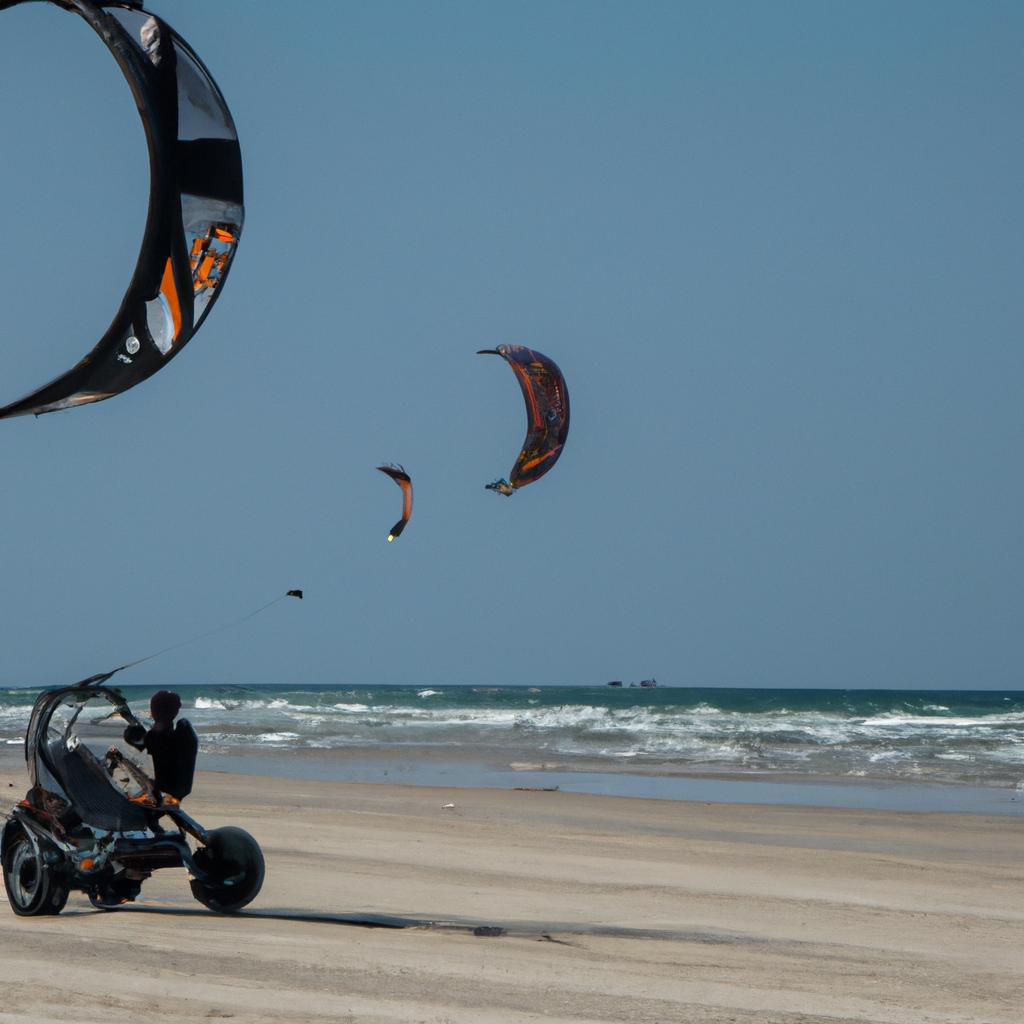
93, 819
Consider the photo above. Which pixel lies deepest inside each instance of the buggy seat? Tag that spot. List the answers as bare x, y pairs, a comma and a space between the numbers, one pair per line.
92, 793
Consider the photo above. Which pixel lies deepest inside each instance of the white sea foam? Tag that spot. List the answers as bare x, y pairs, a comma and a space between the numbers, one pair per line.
250, 704
208, 703
813, 740
705, 709
856, 738
890, 720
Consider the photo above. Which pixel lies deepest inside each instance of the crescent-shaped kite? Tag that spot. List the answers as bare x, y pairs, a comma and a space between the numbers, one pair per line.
401, 478
195, 209
547, 414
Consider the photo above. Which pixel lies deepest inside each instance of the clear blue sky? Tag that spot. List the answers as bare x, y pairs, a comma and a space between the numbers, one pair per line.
775, 248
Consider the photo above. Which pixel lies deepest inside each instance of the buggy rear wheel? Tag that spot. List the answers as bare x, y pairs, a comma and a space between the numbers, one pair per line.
33, 886
232, 863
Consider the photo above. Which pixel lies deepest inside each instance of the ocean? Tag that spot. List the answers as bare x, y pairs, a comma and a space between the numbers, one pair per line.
973, 738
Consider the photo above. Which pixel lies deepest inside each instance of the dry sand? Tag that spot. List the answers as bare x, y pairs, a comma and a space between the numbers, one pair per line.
614, 910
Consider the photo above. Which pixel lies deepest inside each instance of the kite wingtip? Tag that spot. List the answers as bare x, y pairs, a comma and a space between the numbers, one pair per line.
502, 487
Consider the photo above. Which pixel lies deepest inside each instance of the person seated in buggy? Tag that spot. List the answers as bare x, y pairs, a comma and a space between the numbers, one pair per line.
172, 747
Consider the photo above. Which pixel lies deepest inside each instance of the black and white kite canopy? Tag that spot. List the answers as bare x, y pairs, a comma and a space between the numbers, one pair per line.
195, 208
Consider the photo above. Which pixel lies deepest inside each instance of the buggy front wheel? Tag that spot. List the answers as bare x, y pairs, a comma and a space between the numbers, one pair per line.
232, 867
33, 886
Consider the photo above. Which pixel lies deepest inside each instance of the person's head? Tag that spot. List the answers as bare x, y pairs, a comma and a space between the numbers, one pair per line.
164, 705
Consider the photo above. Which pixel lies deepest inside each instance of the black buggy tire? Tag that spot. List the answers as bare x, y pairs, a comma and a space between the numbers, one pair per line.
233, 864
33, 886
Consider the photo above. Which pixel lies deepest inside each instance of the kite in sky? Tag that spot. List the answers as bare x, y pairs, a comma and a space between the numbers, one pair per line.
401, 478
547, 414
195, 208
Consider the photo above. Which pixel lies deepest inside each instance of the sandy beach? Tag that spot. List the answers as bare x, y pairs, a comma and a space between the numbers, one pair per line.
611, 909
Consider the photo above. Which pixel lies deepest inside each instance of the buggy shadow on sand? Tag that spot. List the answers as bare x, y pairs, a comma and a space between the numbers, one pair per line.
94, 822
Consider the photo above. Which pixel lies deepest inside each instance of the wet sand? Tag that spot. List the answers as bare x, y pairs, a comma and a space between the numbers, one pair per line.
611, 909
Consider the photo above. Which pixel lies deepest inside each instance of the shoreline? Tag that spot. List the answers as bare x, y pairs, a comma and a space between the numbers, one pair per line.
465, 769
431, 768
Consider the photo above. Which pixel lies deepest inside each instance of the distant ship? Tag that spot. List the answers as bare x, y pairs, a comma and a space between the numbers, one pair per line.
643, 682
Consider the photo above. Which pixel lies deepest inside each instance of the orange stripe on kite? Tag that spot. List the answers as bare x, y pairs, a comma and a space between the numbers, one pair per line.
203, 273
170, 292
540, 458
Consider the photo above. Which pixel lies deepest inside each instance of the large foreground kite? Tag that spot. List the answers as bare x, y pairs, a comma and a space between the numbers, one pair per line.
195, 207
547, 414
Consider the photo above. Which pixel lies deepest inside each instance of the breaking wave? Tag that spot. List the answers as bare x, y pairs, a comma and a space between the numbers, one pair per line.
975, 737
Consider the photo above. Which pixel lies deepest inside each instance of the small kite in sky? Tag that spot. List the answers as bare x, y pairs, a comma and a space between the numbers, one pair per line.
401, 478
294, 593
547, 414
195, 210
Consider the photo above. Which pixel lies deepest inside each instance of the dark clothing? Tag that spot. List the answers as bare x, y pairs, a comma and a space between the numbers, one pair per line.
174, 758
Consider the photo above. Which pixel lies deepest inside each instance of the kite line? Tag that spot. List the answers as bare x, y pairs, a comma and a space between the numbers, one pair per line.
102, 677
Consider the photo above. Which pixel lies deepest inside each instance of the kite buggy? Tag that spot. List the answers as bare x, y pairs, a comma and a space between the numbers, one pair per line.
94, 821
